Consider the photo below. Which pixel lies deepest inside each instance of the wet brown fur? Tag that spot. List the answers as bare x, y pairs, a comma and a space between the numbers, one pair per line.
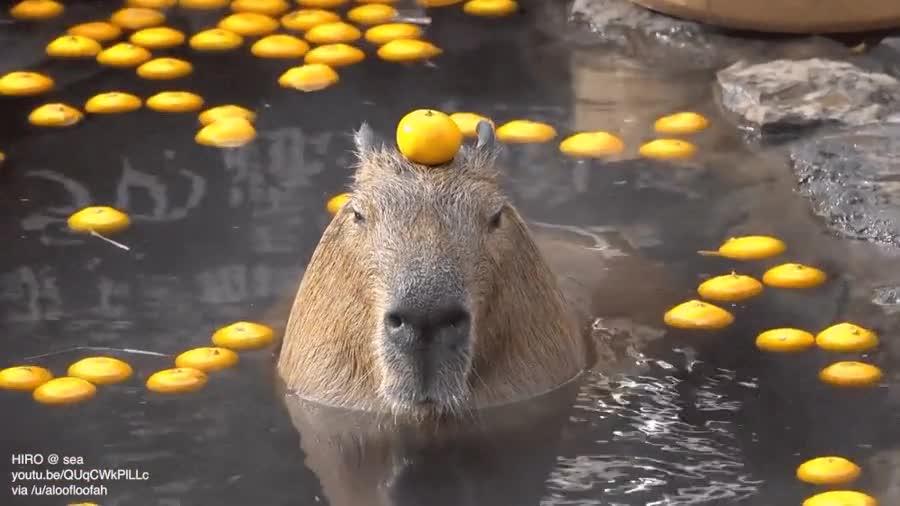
529, 340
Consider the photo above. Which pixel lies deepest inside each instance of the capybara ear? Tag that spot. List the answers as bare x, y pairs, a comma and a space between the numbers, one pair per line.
364, 138
485, 133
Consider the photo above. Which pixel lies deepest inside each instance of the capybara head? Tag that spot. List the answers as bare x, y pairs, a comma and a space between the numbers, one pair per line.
426, 293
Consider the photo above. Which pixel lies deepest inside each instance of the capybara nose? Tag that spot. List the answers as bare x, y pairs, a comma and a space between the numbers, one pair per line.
411, 325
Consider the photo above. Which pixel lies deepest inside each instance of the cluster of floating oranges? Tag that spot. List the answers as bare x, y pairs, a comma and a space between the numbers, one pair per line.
731, 288
833, 471
188, 375
842, 337
431, 137
143, 20
397, 41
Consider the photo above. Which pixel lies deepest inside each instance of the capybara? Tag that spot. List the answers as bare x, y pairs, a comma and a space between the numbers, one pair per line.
427, 295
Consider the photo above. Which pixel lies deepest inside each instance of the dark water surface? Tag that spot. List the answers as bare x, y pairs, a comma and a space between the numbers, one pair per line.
223, 235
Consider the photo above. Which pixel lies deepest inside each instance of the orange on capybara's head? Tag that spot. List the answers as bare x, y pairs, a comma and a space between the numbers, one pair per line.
426, 295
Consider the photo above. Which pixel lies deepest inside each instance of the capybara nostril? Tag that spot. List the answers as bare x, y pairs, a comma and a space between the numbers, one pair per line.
414, 324
393, 320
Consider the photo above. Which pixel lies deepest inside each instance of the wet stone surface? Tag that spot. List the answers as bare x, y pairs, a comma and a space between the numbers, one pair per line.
852, 178
791, 95
658, 39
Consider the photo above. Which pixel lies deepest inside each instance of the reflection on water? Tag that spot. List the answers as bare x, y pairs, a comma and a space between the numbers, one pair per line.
645, 452
666, 419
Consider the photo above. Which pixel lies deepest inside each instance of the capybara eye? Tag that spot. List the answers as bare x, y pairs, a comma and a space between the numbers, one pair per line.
495, 220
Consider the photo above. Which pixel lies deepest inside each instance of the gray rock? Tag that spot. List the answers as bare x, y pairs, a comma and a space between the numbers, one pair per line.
788, 95
614, 19
624, 25
664, 41
888, 53
852, 177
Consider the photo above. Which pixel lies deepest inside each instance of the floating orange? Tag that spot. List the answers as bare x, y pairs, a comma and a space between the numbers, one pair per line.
304, 19
249, 24
335, 55
135, 18
101, 31
279, 46
36, 10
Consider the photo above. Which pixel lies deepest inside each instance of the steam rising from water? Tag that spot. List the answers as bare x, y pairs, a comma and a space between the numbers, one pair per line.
653, 456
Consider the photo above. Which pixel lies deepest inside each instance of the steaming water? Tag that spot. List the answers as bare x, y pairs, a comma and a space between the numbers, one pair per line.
666, 418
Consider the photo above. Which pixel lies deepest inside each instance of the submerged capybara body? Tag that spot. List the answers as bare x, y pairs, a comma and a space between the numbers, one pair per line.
428, 295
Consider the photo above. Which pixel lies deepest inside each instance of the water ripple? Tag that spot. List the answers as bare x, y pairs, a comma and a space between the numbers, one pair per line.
651, 453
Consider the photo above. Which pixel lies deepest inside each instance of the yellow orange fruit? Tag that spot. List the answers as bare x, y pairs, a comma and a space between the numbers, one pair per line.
202, 4
123, 54
829, 470
335, 203
321, 4
216, 39
851, 373
267, 7
243, 335
335, 55
333, 33
158, 37
698, 315
73, 46
751, 247
794, 275
304, 19
490, 8
24, 377
309, 77
681, 123
523, 131
101, 31
372, 14
55, 115
207, 359
279, 46
225, 111
408, 50
175, 101
785, 340
841, 498
151, 4
668, 149
100, 219
164, 68
591, 145
846, 338
178, 380
135, 18
428, 137
21, 83
382, 34
64, 391
226, 133
249, 24
36, 10
112, 102
730, 288
101, 370
468, 122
